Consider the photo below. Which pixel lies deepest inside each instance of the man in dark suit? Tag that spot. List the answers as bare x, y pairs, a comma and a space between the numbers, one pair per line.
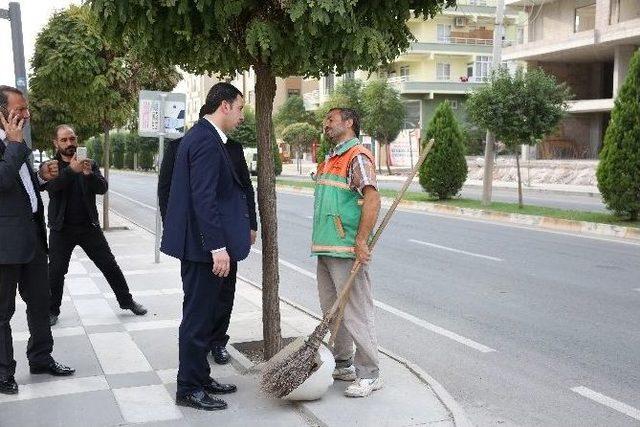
23, 251
228, 289
73, 220
206, 227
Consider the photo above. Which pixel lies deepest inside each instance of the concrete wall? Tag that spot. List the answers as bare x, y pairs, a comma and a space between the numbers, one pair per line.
587, 81
553, 21
629, 9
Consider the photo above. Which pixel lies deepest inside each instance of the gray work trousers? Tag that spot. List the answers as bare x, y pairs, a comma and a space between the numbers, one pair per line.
358, 323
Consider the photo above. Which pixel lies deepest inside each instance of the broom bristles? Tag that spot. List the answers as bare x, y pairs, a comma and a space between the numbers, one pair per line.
281, 378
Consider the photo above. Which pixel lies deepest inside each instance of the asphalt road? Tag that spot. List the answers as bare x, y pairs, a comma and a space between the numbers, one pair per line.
521, 326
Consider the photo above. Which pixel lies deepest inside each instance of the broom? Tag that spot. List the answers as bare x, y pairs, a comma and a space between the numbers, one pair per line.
288, 369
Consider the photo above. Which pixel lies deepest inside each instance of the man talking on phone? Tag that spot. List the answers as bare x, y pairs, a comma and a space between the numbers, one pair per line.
23, 246
73, 220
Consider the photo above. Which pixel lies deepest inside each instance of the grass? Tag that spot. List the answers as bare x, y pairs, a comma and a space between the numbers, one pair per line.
599, 217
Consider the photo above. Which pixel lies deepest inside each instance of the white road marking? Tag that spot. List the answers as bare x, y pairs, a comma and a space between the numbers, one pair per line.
433, 328
496, 223
144, 205
608, 401
291, 266
459, 251
151, 325
406, 316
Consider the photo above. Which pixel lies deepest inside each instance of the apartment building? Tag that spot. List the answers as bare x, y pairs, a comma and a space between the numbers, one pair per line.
587, 44
451, 56
197, 87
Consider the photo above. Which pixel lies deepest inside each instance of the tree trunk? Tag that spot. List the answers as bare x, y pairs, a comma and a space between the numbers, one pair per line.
520, 205
379, 154
106, 162
487, 180
388, 151
265, 92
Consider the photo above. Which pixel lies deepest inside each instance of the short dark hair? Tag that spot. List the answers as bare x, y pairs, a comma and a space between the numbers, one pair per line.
349, 114
222, 91
62, 126
4, 94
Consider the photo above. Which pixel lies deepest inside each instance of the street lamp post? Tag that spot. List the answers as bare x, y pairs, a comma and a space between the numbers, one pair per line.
14, 16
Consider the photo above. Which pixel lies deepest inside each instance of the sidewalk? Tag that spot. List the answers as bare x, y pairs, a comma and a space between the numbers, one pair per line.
126, 365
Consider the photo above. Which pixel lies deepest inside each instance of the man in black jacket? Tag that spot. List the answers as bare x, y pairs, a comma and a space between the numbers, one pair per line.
227, 292
73, 220
23, 246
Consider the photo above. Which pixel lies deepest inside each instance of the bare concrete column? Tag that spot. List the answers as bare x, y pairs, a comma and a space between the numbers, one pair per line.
595, 134
621, 61
603, 14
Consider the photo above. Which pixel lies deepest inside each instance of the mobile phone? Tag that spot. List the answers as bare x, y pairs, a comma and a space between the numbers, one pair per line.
81, 153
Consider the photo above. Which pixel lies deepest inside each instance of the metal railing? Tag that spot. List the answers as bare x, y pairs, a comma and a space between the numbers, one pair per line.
465, 40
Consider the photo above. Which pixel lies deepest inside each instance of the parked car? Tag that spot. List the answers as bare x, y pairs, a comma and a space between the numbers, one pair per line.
251, 157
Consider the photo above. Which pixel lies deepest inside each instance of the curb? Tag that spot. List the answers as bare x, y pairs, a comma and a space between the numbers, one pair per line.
458, 414
536, 221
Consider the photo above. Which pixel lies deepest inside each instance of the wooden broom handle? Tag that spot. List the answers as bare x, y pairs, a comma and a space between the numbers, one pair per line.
336, 312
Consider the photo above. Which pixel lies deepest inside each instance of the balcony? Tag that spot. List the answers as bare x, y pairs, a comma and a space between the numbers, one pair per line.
412, 85
548, 50
590, 105
453, 45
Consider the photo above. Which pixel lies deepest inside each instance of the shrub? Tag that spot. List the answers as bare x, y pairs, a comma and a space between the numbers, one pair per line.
444, 171
619, 169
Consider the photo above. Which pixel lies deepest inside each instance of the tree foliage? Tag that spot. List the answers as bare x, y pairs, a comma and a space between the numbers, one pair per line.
292, 111
278, 38
300, 136
93, 81
520, 108
383, 113
347, 94
445, 169
619, 168
246, 132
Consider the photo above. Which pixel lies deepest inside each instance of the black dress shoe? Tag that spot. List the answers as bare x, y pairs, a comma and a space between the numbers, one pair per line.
216, 388
201, 400
8, 385
53, 319
220, 355
54, 368
137, 309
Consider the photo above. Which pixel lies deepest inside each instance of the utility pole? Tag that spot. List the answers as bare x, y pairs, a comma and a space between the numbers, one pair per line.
498, 39
14, 16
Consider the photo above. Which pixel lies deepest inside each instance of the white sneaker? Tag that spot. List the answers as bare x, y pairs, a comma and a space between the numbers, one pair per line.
362, 387
345, 374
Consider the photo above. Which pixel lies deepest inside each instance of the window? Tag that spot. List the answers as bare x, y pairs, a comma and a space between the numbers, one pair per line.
291, 92
349, 75
404, 73
585, 18
482, 68
454, 104
443, 71
444, 33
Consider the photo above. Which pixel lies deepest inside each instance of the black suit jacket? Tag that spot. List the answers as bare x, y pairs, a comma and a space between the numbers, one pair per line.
60, 188
17, 236
234, 148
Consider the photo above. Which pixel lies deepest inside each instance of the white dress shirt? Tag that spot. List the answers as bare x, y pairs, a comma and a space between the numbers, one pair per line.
224, 138
25, 176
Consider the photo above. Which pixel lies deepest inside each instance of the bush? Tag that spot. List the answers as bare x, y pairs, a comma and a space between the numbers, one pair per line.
94, 149
118, 142
323, 149
444, 171
474, 140
246, 132
148, 150
619, 171
131, 148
